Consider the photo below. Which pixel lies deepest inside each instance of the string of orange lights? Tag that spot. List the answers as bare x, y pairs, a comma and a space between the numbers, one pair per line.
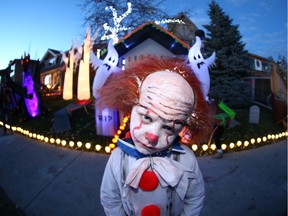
109, 148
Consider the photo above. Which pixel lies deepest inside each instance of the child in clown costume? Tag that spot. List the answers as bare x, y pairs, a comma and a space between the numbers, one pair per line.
152, 173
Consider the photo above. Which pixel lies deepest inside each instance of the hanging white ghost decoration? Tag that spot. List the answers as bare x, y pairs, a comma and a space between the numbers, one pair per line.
107, 66
200, 66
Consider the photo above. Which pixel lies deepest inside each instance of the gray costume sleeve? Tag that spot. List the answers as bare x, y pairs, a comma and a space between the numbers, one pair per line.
111, 187
193, 201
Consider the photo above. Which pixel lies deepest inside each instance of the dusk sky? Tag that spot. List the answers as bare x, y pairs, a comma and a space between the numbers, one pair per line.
34, 26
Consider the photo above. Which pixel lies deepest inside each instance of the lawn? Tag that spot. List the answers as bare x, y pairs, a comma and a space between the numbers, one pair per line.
246, 130
83, 126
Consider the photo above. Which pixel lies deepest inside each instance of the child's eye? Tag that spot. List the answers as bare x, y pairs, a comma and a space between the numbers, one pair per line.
146, 118
166, 127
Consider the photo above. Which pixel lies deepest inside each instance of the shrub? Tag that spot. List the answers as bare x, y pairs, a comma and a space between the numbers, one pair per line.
235, 92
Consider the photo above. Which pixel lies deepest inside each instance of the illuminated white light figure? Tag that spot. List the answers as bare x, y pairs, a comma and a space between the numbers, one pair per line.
165, 21
200, 66
106, 119
95, 62
83, 87
68, 80
116, 21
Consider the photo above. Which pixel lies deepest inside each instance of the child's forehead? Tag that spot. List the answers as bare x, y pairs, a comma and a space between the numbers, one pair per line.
154, 113
168, 94
167, 83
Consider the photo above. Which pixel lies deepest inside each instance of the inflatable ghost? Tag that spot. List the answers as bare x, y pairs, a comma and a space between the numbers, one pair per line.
106, 119
200, 66
107, 66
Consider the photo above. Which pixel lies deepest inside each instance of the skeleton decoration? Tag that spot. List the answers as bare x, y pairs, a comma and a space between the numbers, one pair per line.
200, 66
106, 68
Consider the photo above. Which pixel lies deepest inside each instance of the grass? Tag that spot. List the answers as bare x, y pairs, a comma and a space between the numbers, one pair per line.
83, 125
246, 131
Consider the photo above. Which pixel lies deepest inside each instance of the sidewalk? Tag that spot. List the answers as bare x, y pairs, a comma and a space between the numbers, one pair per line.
45, 180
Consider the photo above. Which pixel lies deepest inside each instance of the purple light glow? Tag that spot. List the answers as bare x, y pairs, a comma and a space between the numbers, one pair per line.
31, 104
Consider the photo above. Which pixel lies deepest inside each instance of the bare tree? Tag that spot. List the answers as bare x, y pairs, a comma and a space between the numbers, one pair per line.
282, 62
98, 12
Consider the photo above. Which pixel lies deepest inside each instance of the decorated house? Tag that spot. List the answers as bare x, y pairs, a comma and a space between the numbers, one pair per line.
150, 39
147, 39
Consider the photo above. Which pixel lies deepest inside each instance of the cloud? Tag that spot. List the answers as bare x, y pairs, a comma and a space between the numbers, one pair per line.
236, 2
200, 17
249, 18
268, 44
265, 6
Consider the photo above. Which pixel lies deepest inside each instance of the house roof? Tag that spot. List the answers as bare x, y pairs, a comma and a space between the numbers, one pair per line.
259, 57
182, 16
50, 53
156, 33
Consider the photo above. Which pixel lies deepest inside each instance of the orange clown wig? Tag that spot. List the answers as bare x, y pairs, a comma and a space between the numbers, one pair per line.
121, 91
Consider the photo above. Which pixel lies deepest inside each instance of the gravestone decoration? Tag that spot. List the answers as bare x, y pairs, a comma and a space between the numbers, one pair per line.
61, 120
254, 114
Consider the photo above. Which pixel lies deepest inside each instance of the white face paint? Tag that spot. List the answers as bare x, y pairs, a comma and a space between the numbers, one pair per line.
165, 103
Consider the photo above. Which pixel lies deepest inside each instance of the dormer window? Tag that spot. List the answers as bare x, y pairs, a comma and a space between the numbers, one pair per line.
52, 61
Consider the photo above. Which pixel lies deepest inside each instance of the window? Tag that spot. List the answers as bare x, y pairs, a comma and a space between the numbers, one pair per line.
47, 80
50, 62
258, 65
123, 63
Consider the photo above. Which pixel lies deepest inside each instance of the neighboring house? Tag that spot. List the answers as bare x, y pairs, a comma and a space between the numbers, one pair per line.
186, 32
259, 80
269, 87
15, 69
52, 70
260, 66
